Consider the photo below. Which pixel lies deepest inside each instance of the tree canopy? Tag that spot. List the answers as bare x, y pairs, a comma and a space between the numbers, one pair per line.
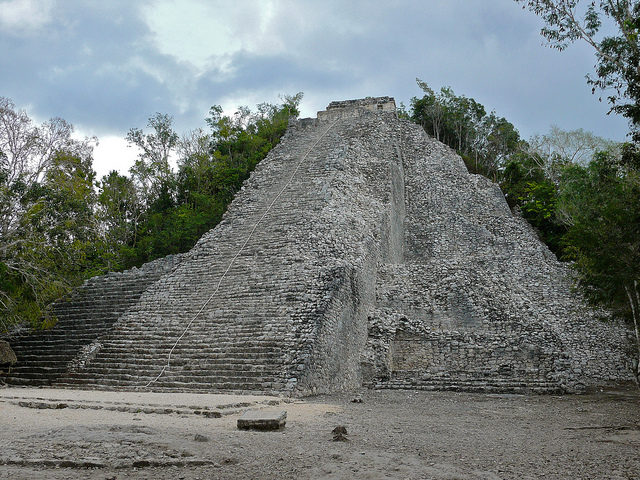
483, 140
46, 218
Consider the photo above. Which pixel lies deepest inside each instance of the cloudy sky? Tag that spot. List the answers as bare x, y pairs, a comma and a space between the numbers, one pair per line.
107, 66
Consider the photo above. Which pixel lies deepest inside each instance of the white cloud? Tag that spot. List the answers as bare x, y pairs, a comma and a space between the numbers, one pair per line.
20, 16
112, 153
192, 31
207, 33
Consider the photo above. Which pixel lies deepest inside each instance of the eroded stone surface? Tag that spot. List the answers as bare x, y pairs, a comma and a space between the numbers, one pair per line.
7, 355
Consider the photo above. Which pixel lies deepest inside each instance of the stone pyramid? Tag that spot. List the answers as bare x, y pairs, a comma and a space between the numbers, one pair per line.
360, 251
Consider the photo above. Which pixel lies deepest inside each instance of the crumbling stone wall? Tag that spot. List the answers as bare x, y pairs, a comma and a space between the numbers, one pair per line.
479, 301
355, 108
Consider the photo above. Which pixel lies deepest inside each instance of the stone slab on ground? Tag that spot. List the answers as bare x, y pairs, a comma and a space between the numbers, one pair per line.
262, 420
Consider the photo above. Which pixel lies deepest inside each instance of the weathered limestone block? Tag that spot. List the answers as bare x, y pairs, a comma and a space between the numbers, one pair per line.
7, 356
262, 420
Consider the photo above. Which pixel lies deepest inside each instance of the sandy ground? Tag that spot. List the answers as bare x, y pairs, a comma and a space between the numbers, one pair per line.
62, 434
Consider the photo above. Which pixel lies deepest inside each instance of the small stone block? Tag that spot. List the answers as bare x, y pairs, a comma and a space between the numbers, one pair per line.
261, 420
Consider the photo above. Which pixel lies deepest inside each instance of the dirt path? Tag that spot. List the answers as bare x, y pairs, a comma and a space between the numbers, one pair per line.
408, 435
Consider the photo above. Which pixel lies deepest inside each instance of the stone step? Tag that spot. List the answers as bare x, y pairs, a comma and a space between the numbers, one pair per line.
480, 385
57, 335
127, 348
20, 381
146, 355
36, 358
65, 330
202, 331
180, 359
143, 377
205, 364
98, 298
91, 318
108, 371
221, 323
52, 345
100, 305
188, 345
37, 372
195, 332
222, 386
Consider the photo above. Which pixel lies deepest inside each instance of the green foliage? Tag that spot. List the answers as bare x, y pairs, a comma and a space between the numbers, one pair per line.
118, 211
483, 140
46, 213
527, 187
151, 172
602, 209
401, 111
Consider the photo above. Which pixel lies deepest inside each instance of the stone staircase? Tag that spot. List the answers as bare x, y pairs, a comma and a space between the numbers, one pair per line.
456, 382
255, 333
89, 312
238, 360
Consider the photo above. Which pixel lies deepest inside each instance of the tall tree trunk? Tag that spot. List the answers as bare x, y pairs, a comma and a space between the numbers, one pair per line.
635, 324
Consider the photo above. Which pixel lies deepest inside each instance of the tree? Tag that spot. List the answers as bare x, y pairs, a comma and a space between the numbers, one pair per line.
428, 111
27, 152
151, 171
501, 139
602, 211
527, 187
65, 212
45, 211
483, 141
119, 213
618, 55
574, 146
